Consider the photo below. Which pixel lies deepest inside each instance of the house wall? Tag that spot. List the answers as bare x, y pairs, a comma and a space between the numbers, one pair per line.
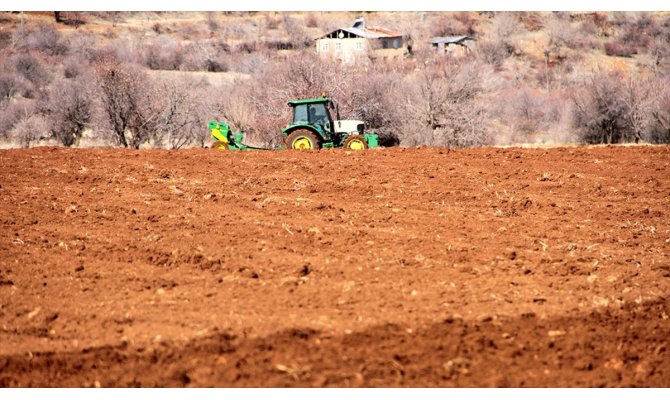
388, 54
346, 50
350, 50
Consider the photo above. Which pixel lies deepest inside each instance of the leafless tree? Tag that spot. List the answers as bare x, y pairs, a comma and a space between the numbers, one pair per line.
30, 129
125, 92
9, 86
659, 124
32, 69
599, 110
446, 107
501, 42
295, 32
180, 113
69, 108
374, 100
637, 96
47, 39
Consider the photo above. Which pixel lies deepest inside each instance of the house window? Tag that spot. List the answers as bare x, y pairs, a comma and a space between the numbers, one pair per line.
359, 45
324, 47
396, 44
338, 46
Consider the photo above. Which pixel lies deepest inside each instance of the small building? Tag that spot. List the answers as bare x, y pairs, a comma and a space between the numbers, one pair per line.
454, 45
358, 42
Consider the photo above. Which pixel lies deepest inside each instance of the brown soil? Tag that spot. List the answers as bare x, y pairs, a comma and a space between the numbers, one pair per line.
391, 267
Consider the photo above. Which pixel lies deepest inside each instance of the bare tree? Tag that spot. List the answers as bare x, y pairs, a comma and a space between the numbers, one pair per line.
32, 69
373, 100
125, 92
659, 123
636, 95
446, 107
30, 129
180, 116
9, 86
47, 39
500, 44
69, 108
599, 110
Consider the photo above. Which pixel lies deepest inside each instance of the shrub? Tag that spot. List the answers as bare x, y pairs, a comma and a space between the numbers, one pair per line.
495, 52
600, 109
660, 50
271, 23
212, 24
532, 21
204, 57
447, 26
124, 92
181, 112
658, 129
619, 49
82, 46
30, 68
9, 86
295, 32
641, 32
311, 20
246, 47
373, 101
500, 44
13, 113
163, 55
29, 130
467, 22
69, 108
444, 107
157, 28
47, 39
5, 39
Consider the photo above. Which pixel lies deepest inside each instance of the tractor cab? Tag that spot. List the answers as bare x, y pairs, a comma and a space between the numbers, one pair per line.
314, 113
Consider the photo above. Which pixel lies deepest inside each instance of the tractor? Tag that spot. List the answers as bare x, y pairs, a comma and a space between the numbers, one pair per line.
312, 128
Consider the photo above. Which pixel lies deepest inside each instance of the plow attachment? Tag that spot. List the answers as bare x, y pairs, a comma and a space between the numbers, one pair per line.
224, 139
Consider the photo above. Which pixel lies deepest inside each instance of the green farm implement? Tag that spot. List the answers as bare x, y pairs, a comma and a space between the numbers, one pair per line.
312, 128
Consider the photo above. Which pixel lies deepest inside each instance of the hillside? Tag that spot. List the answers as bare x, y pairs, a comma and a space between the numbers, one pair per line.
524, 83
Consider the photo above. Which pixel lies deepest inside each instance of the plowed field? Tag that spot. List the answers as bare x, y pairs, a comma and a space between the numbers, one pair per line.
390, 267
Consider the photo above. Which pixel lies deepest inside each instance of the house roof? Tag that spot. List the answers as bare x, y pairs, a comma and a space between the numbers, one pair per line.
366, 32
450, 39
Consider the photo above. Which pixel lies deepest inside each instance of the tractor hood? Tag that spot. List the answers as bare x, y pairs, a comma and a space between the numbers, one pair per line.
349, 126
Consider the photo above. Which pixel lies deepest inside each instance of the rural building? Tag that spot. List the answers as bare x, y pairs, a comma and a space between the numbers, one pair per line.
454, 45
359, 42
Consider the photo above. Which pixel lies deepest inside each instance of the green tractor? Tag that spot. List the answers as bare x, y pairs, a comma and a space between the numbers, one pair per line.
312, 128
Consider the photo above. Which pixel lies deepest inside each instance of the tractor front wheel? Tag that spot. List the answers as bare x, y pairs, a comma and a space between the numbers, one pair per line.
355, 142
302, 139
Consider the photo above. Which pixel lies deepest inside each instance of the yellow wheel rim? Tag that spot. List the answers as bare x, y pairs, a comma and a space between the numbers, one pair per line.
357, 144
302, 143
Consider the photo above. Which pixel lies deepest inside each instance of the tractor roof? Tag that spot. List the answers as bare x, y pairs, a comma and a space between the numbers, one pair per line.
308, 101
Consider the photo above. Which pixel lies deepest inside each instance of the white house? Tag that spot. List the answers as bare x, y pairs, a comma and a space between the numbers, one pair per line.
359, 42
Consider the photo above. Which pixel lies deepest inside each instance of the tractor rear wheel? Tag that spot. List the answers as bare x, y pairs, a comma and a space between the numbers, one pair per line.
302, 139
355, 142
219, 145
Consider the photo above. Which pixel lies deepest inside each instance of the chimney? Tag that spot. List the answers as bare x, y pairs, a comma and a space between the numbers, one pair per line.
359, 23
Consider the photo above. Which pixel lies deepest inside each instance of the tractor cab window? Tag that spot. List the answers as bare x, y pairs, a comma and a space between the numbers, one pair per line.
313, 114
300, 114
318, 115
